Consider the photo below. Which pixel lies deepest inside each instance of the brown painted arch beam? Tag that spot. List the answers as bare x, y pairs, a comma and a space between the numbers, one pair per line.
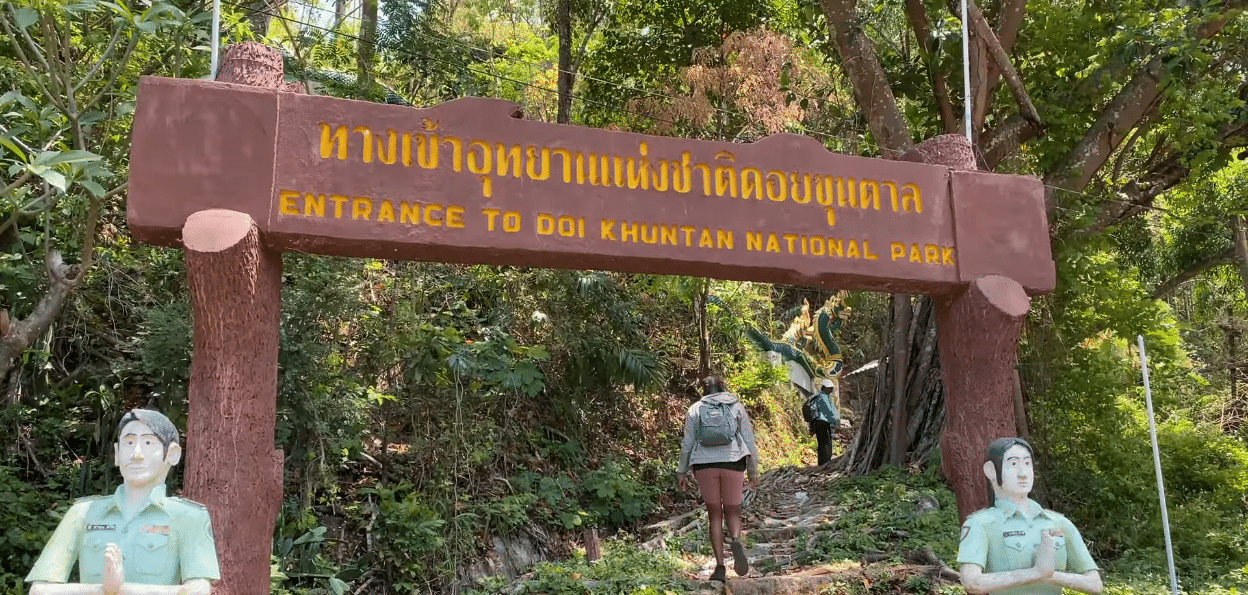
467, 182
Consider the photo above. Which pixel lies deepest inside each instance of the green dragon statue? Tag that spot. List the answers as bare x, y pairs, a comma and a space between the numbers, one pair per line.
809, 343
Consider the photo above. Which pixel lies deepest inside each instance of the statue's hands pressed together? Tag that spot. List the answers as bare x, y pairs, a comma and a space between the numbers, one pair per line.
114, 570
1046, 552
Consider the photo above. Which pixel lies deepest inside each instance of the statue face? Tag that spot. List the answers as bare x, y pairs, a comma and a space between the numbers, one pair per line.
1017, 478
141, 457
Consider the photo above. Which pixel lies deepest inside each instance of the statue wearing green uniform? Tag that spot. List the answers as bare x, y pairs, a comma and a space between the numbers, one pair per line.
1016, 547
138, 541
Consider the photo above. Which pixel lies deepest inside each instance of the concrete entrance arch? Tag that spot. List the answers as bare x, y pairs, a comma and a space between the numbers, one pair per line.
237, 173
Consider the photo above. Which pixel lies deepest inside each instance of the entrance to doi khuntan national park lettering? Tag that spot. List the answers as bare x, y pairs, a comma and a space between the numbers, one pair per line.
239, 170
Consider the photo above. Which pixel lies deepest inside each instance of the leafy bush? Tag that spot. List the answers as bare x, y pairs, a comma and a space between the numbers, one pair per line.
28, 521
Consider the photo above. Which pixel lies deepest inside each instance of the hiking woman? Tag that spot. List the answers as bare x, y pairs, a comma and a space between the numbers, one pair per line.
719, 449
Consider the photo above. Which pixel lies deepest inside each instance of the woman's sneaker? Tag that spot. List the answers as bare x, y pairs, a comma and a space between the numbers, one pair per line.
720, 574
740, 563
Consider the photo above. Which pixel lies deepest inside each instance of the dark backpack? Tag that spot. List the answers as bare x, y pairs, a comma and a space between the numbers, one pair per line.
809, 413
716, 424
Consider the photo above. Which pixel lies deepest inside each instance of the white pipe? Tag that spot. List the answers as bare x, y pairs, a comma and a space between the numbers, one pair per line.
1161, 486
966, 70
216, 37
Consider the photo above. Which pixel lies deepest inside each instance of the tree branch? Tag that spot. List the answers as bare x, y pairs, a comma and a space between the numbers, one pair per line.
916, 13
1002, 60
1225, 257
1123, 113
871, 86
95, 68
23, 333
997, 143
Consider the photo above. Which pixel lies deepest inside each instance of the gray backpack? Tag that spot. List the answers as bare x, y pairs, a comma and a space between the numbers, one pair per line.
717, 426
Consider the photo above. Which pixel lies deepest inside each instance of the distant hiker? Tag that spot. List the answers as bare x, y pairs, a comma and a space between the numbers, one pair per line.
718, 449
1016, 547
823, 418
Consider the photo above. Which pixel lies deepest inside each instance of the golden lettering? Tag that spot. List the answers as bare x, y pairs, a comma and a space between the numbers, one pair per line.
915, 255
545, 224
831, 216
487, 186
725, 178
776, 189
531, 152
790, 238
479, 163
705, 240
773, 245
892, 191
669, 235
606, 229
509, 158
817, 246
931, 254
329, 141
914, 194
688, 229
682, 175
386, 212
455, 216
367, 133
457, 152
806, 196
490, 214
836, 247
869, 193
619, 170
946, 255
627, 230
407, 149
723, 239
852, 251
409, 214
314, 203
511, 222
866, 251
388, 154
286, 202
754, 240
429, 219
641, 177
754, 186
427, 150
361, 208
338, 200
897, 250
842, 198
649, 233
567, 164
660, 178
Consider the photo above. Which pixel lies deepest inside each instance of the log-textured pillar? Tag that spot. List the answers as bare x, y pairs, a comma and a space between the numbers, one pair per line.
231, 465
978, 332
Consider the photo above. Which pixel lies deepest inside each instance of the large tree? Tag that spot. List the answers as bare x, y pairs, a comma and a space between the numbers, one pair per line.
1112, 104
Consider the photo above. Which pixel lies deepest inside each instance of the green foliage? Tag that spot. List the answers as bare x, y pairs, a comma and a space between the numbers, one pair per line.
610, 496
409, 532
28, 521
622, 570
880, 512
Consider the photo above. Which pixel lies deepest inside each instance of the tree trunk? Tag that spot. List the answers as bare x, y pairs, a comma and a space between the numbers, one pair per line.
235, 284
924, 403
704, 335
900, 365
366, 47
340, 11
979, 331
1241, 249
563, 23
